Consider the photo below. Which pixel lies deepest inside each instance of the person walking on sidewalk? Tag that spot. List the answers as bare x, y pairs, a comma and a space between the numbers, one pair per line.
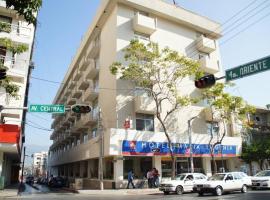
130, 179
155, 178
150, 177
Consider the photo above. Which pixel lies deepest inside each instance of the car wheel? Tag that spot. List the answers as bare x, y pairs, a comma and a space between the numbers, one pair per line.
244, 189
200, 193
218, 191
166, 193
179, 189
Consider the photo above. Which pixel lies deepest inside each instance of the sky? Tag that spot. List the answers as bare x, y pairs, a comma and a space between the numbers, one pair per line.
62, 24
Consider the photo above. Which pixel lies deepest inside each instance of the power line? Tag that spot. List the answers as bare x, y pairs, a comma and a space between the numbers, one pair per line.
242, 30
43, 129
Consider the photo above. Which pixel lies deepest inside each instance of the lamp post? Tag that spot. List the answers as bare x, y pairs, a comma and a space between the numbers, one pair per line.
190, 144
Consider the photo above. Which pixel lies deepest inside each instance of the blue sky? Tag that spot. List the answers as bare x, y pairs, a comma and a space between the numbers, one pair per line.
63, 23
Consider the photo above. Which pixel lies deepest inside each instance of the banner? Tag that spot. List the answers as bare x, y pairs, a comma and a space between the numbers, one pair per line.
182, 149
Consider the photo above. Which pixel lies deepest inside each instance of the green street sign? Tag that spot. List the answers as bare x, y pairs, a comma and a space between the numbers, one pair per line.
248, 69
58, 108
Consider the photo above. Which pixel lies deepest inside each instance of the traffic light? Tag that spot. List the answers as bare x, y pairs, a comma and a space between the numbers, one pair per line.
81, 108
205, 81
3, 73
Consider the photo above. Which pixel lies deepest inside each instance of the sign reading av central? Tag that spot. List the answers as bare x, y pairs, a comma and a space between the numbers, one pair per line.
47, 108
248, 69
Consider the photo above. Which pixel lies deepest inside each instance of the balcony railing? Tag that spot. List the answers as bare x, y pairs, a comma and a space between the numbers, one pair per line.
144, 24
208, 65
7, 28
93, 48
205, 44
144, 104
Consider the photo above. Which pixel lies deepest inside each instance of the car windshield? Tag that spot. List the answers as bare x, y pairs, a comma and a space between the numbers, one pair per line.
217, 177
263, 173
180, 177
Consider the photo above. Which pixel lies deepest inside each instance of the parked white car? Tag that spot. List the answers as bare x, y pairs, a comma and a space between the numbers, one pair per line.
246, 178
182, 183
223, 182
261, 180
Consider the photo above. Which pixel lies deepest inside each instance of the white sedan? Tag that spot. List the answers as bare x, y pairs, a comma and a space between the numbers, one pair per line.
182, 183
223, 182
261, 180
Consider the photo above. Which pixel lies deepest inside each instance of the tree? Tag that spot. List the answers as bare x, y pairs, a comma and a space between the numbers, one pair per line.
160, 74
225, 109
256, 151
26, 8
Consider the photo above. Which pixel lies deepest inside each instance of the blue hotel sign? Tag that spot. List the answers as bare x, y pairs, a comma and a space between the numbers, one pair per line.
162, 148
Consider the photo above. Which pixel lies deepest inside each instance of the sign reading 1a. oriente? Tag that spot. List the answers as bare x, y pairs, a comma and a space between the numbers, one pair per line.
47, 108
248, 69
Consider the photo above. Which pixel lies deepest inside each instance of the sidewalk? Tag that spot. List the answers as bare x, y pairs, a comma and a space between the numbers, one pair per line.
120, 192
10, 191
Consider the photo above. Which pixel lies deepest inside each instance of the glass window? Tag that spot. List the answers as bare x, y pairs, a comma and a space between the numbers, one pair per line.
94, 132
5, 19
108, 168
212, 126
237, 176
166, 168
85, 137
144, 122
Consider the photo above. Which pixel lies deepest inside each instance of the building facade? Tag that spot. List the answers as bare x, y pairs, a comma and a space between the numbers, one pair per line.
259, 131
79, 140
40, 164
14, 31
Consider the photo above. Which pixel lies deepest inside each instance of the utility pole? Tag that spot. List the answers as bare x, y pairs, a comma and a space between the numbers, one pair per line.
190, 145
21, 182
101, 148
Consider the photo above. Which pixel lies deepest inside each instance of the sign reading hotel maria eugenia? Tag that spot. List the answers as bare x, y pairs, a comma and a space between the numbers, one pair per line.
180, 149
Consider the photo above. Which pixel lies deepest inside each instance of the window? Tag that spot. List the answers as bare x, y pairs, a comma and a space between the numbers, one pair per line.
85, 137
144, 122
5, 19
142, 37
213, 125
94, 132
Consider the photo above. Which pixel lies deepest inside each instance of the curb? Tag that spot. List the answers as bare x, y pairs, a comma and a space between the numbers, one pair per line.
69, 190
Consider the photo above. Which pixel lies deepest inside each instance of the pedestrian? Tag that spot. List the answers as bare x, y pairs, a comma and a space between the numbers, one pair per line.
130, 179
150, 177
155, 177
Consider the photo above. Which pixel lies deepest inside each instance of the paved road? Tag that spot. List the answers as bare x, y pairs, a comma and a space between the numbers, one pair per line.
44, 194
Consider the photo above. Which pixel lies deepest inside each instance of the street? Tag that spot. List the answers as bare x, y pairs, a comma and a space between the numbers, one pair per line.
44, 193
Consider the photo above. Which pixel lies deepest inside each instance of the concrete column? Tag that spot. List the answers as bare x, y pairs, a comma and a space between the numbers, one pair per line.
156, 162
207, 166
81, 169
119, 173
89, 169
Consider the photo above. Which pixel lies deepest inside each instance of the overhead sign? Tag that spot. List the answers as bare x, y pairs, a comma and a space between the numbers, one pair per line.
58, 108
248, 69
180, 149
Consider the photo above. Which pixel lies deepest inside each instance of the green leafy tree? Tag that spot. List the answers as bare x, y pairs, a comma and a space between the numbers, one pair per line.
225, 109
26, 8
159, 72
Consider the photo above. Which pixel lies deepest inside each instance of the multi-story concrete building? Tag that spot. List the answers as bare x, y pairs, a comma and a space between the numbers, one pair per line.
76, 146
259, 131
40, 164
14, 30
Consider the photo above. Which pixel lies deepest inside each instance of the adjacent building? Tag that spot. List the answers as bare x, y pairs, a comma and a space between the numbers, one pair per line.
14, 31
40, 164
76, 144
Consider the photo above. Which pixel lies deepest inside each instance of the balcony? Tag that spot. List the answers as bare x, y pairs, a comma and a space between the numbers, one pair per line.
84, 82
85, 62
144, 24
71, 85
77, 93
93, 49
92, 70
18, 33
144, 105
71, 101
205, 44
209, 65
90, 93
77, 75
67, 92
